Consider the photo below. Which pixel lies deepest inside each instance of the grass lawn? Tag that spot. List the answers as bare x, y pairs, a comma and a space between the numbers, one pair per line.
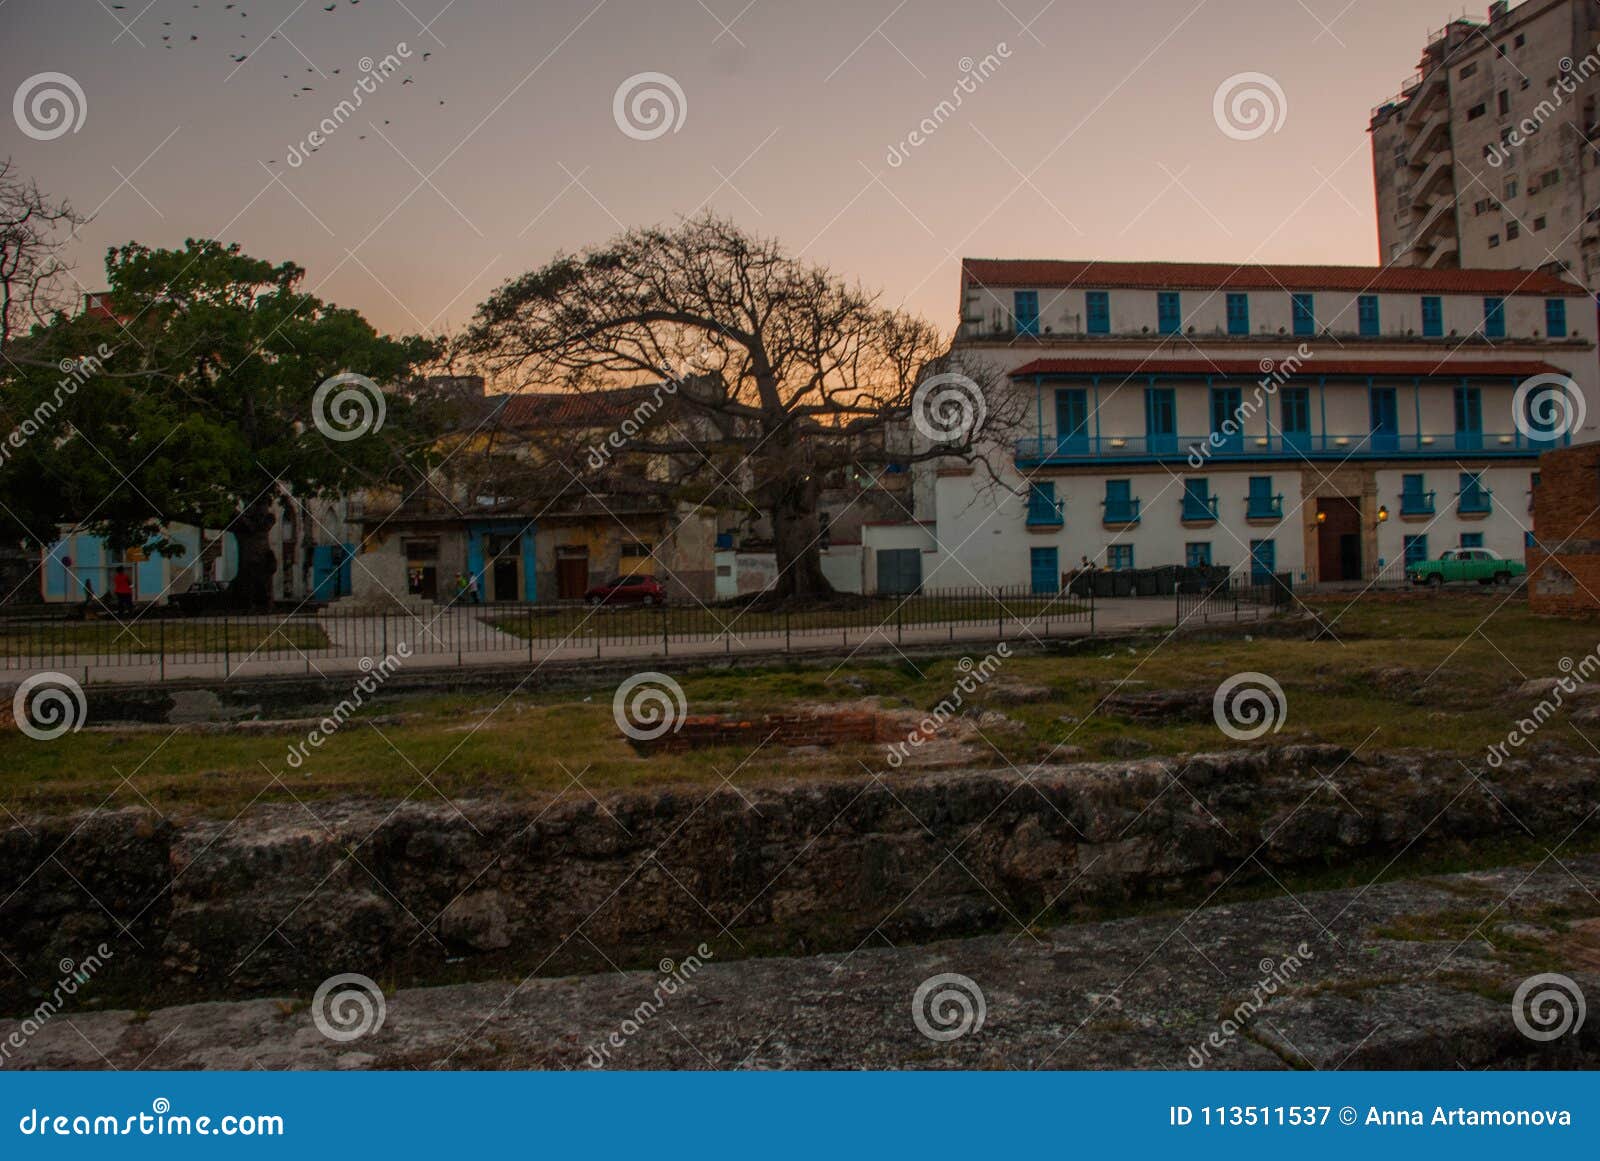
1403, 672
153, 635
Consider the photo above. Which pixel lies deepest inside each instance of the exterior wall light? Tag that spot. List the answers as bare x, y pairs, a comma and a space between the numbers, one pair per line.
1383, 513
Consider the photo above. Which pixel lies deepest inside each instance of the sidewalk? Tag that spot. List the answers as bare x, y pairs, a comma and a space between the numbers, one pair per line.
462, 637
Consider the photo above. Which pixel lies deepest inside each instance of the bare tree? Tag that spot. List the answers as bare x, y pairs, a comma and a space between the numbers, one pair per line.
34, 232
785, 375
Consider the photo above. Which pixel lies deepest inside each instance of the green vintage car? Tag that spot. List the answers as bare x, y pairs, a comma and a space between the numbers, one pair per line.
1465, 564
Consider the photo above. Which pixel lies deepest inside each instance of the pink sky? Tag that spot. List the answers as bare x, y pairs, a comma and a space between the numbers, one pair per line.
1094, 135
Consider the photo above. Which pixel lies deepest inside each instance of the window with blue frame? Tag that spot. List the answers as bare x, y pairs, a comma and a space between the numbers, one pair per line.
1119, 556
1469, 419
1415, 500
1044, 570
1226, 425
1416, 549
1169, 312
1367, 322
1474, 496
1197, 552
1198, 502
1472, 540
1263, 561
1025, 306
1161, 420
1555, 317
1305, 315
1432, 318
1072, 420
1121, 507
1043, 507
1262, 503
1238, 314
1383, 410
1494, 318
1294, 417
1097, 305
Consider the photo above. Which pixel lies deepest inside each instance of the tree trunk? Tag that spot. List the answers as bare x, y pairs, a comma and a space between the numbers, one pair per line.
797, 539
258, 564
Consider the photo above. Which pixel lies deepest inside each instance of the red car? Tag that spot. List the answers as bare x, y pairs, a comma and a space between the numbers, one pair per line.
627, 590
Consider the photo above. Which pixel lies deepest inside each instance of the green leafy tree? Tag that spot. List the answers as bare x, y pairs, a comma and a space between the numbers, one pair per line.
200, 404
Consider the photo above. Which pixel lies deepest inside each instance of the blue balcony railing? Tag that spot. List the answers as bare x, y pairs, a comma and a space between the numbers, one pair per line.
1416, 503
1038, 450
1199, 507
1122, 512
1044, 512
1475, 501
1261, 507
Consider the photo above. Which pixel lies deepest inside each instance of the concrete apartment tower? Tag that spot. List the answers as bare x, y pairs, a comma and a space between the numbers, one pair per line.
1488, 157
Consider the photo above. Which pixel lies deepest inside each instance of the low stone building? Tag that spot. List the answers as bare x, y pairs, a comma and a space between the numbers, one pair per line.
1564, 553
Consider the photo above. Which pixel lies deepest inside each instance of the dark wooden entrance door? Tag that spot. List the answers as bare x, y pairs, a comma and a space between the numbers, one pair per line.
572, 574
1338, 539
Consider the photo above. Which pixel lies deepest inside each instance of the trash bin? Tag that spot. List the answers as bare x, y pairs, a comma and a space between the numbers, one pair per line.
1104, 584
1144, 582
1122, 584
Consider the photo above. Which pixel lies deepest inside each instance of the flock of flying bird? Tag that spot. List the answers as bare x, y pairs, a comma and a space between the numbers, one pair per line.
241, 57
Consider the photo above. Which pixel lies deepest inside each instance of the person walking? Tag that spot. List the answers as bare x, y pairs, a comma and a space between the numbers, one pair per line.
122, 589
472, 590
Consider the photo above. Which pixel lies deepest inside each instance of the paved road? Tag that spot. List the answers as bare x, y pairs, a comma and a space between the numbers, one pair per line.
456, 637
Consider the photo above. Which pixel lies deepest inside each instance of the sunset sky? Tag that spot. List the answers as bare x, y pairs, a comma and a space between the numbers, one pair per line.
1093, 135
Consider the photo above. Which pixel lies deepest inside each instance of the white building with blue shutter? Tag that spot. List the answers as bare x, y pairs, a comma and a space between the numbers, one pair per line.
1326, 421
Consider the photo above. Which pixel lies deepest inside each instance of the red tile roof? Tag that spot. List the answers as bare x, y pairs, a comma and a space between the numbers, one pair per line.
1231, 276
551, 409
1256, 368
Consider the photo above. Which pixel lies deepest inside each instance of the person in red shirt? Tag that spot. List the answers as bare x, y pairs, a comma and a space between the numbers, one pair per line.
122, 588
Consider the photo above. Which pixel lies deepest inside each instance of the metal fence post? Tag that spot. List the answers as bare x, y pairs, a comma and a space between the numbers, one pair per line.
666, 633
1091, 610
530, 634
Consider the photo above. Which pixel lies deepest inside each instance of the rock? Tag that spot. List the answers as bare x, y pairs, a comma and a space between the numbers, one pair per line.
1160, 705
1536, 687
477, 920
1016, 693
1120, 747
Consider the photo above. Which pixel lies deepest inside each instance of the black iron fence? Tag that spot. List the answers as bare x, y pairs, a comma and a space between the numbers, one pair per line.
1202, 600
167, 642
